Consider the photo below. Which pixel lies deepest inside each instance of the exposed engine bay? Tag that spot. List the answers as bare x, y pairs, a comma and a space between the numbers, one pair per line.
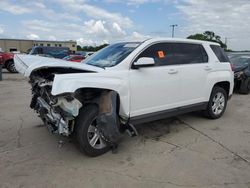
59, 113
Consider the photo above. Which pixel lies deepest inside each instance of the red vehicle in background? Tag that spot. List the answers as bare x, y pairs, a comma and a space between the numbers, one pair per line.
6, 60
74, 58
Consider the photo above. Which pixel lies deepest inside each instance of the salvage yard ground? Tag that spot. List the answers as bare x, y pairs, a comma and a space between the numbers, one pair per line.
185, 151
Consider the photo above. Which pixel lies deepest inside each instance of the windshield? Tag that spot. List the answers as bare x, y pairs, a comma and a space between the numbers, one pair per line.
112, 55
240, 61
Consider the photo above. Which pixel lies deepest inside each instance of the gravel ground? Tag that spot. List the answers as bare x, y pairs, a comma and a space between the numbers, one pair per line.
184, 151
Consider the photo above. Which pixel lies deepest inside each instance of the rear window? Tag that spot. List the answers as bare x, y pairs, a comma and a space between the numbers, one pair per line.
219, 52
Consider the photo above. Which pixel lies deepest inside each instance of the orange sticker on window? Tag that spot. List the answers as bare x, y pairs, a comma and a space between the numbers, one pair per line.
161, 54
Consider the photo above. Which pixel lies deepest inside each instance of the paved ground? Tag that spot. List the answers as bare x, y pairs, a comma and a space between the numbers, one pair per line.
186, 151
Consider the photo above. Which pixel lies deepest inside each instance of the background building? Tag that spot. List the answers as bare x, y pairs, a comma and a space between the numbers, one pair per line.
23, 45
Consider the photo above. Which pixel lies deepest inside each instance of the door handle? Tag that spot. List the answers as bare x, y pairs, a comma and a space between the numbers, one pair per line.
208, 68
172, 71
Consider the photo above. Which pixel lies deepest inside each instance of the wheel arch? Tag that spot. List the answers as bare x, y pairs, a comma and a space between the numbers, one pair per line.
7, 62
91, 94
225, 85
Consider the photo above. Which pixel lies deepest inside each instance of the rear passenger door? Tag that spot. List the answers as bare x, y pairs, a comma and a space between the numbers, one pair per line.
155, 88
194, 70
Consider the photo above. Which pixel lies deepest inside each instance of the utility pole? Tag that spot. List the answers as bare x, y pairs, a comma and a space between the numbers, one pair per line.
173, 27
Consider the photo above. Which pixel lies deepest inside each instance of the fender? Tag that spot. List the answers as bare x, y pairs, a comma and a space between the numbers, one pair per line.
103, 80
214, 78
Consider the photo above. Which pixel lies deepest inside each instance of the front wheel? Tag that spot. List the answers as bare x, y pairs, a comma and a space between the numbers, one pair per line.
87, 134
217, 103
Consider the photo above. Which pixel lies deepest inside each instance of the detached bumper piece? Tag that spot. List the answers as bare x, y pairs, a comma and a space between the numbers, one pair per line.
109, 122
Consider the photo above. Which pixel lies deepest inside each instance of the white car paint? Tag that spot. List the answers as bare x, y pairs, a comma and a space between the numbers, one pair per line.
25, 64
112, 80
144, 90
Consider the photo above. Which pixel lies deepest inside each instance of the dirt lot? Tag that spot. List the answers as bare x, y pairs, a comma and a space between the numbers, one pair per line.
185, 151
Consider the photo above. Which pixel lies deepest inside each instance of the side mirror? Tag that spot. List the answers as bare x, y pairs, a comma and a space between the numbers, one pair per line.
144, 62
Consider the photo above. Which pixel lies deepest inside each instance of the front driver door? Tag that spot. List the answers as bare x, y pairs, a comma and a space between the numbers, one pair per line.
155, 88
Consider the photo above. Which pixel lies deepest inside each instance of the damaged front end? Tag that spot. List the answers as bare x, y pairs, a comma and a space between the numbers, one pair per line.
60, 112
57, 112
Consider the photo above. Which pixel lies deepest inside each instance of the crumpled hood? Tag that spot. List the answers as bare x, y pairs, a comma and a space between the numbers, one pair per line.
25, 64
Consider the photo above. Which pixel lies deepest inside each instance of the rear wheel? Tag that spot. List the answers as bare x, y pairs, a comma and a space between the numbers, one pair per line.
11, 67
245, 86
87, 133
217, 103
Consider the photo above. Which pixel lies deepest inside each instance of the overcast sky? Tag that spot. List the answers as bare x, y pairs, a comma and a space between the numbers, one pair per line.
93, 22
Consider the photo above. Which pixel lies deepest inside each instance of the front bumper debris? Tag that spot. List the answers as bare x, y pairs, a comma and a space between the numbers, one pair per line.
54, 121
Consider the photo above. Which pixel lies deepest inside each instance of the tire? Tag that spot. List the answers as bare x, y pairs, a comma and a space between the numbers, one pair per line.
86, 131
11, 67
217, 103
245, 86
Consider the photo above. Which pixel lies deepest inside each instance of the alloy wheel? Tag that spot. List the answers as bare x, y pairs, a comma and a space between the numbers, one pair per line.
218, 104
94, 137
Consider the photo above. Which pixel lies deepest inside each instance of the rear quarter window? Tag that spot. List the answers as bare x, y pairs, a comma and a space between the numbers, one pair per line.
220, 54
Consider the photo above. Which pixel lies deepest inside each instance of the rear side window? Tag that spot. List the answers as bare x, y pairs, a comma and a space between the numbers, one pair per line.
189, 53
219, 52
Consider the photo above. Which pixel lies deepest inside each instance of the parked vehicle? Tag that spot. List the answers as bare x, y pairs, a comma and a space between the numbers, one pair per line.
74, 58
49, 51
125, 84
241, 66
84, 53
88, 54
6, 60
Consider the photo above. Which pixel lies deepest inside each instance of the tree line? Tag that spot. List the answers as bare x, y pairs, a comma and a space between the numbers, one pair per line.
206, 36
91, 48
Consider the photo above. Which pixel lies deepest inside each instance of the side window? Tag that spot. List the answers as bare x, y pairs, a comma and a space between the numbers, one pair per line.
189, 53
219, 52
175, 53
161, 52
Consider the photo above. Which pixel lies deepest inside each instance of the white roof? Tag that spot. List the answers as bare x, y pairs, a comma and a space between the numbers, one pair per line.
151, 40
182, 40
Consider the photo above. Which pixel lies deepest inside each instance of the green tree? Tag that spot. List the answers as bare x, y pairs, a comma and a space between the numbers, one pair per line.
208, 36
93, 48
79, 48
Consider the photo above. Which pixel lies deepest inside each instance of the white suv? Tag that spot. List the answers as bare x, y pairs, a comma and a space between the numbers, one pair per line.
127, 83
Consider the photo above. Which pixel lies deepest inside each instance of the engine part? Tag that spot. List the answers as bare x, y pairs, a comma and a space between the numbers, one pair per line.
71, 107
52, 119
